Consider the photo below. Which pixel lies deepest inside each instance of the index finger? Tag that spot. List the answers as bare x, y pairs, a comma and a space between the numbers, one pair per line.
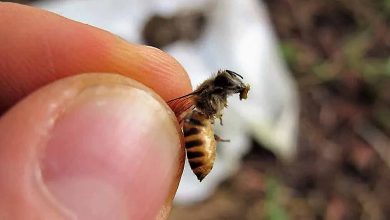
38, 47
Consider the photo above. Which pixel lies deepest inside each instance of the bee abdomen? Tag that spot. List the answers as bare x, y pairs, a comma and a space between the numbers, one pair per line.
196, 121
192, 135
200, 144
198, 158
201, 169
199, 163
193, 143
195, 154
191, 131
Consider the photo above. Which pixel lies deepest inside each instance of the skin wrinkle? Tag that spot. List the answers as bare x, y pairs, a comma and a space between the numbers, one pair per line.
154, 56
49, 55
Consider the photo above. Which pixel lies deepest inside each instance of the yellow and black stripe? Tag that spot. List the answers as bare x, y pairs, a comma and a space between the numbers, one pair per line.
200, 144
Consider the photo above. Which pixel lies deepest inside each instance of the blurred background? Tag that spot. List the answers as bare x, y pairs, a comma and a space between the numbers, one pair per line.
313, 139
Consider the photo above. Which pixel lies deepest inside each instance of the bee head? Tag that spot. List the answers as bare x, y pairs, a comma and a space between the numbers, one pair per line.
231, 82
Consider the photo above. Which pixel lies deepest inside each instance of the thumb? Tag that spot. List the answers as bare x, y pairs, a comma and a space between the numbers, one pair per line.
93, 146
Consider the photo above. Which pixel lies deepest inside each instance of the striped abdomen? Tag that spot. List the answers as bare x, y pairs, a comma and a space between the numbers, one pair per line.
200, 144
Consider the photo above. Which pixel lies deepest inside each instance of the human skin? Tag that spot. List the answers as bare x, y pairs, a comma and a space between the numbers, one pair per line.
85, 131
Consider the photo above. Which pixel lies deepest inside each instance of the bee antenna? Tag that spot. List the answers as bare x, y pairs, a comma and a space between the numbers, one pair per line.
234, 73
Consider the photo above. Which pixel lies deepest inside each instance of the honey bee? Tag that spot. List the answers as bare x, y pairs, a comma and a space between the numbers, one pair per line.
196, 113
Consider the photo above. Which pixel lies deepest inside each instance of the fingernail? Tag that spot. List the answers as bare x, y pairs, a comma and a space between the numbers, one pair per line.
113, 154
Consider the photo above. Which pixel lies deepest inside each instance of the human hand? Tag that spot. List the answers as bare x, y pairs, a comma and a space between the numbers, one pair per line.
92, 146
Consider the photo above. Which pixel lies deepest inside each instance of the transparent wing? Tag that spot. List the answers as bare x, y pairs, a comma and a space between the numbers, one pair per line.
182, 104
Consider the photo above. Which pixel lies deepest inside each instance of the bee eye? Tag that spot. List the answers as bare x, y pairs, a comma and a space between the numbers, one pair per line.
222, 81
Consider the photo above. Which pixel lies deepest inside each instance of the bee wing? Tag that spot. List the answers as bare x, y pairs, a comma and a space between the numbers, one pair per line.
182, 105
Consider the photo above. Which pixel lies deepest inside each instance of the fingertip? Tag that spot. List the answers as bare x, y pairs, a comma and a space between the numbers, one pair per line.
107, 146
40, 47
152, 66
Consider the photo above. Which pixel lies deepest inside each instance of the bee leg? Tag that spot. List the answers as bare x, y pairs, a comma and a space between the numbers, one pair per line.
219, 117
219, 139
225, 103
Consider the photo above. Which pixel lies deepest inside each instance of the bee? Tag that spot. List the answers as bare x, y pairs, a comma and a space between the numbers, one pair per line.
196, 113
